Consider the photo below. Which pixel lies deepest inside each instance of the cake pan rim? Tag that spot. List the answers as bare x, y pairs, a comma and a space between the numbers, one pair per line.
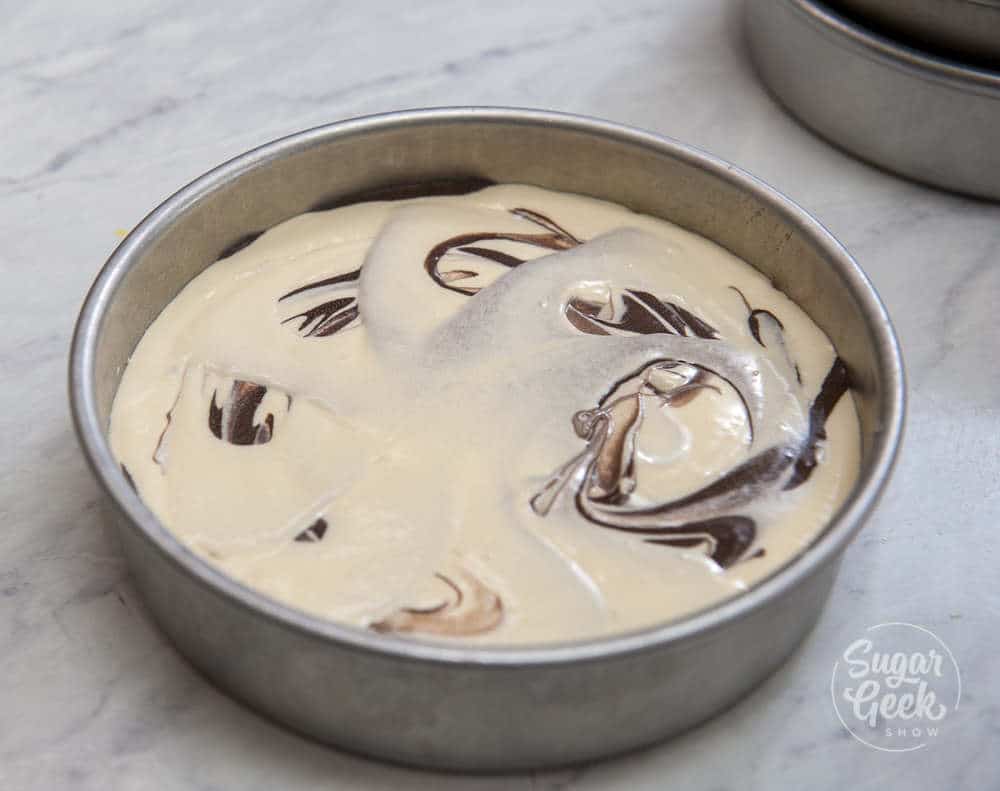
900, 54
966, 39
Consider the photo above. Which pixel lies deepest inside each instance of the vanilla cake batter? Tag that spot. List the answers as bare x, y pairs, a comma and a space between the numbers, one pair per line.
511, 416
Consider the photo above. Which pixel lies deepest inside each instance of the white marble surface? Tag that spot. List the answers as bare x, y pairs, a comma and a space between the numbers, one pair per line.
105, 111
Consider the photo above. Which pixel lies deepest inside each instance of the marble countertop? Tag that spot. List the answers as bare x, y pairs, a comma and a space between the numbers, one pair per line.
107, 110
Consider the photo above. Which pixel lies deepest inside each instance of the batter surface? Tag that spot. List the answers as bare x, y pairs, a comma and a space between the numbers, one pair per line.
512, 416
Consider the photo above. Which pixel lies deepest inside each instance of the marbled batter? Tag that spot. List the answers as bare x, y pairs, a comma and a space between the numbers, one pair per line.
512, 416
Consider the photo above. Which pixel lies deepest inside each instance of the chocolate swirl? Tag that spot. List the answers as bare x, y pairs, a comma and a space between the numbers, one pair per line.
468, 607
643, 314
333, 315
602, 476
233, 421
314, 533
556, 238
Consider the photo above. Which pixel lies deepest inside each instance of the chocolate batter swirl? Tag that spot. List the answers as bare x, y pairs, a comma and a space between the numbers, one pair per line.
602, 476
557, 238
333, 315
234, 421
644, 314
314, 533
467, 608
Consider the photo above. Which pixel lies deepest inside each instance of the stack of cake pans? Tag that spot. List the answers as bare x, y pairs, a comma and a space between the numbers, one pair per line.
910, 85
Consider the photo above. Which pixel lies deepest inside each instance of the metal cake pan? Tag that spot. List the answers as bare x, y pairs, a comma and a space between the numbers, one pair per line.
916, 114
436, 704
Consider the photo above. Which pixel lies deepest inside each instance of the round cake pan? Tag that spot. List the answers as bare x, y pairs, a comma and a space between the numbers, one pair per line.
447, 705
922, 116
968, 30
